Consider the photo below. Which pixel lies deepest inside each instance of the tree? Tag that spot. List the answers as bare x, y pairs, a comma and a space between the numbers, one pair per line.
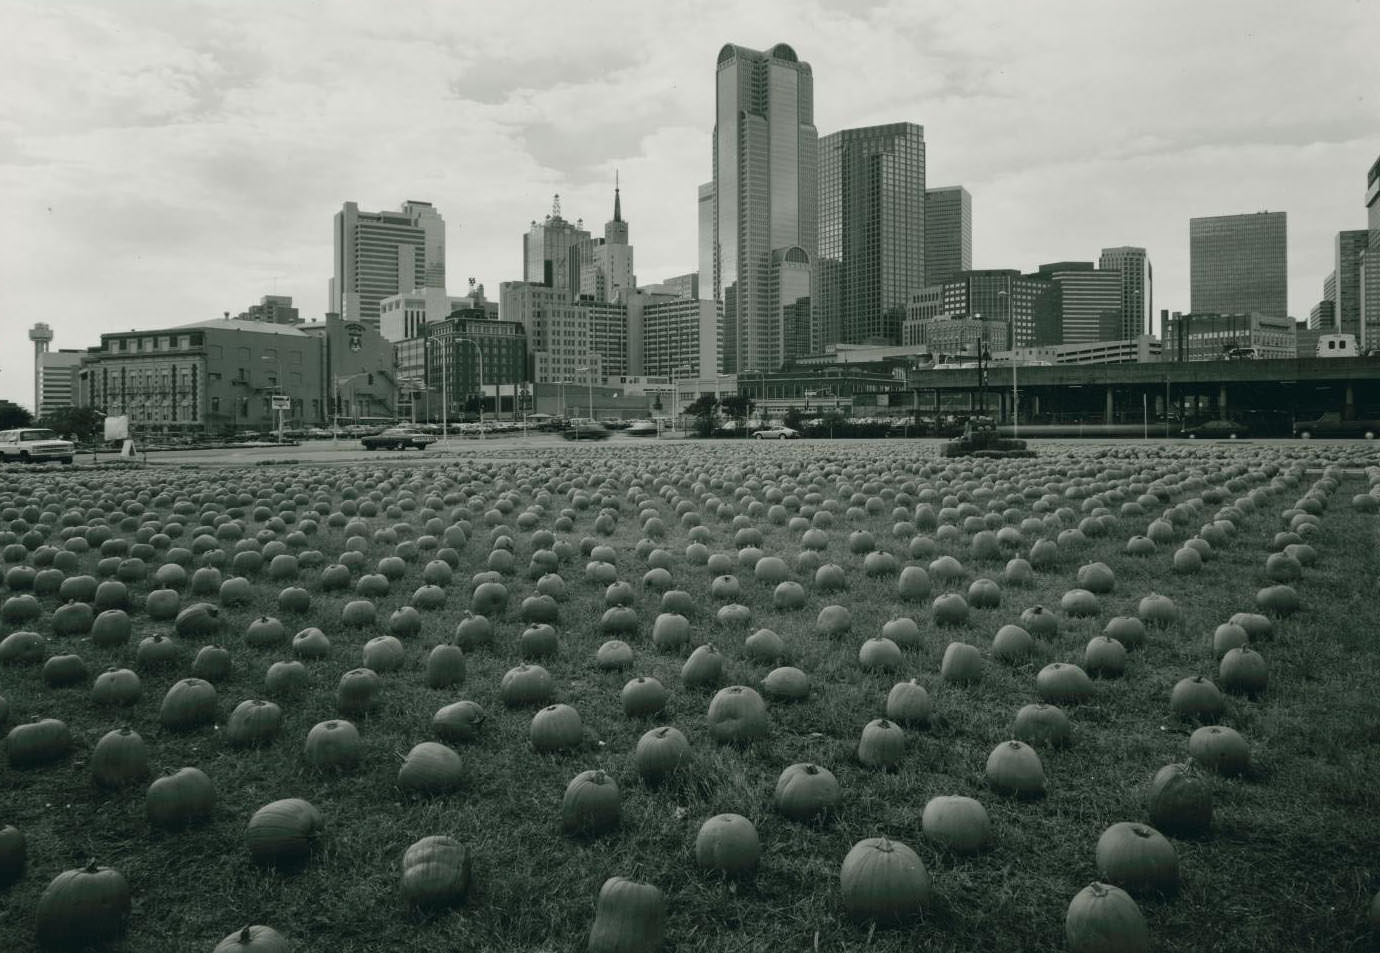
82, 423
13, 416
794, 418
703, 411
737, 406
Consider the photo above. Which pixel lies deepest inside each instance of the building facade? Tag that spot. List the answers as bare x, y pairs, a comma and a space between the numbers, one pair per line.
954, 337
553, 251
1211, 337
872, 207
379, 254
457, 363
55, 380
1370, 263
273, 309
1137, 288
765, 192
402, 316
1239, 264
1030, 304
1349, 251
1090, 302
948, 233
560, 340
681, 337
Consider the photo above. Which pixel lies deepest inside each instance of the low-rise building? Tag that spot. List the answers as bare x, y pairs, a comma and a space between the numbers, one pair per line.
1208, 336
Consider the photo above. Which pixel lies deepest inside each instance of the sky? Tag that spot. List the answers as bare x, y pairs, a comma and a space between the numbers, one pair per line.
165, 161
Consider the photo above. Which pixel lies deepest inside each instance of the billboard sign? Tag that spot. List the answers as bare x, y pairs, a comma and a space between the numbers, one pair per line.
117, 428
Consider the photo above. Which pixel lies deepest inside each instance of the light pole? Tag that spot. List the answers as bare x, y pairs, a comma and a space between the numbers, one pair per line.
277, 391
445, 374
480, 354
1011, 349
588, 371
675, 394
338, 380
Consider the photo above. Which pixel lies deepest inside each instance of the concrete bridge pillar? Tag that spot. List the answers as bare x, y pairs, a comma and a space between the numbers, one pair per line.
1222, 400
1108, 410
1349, 410
1035, 405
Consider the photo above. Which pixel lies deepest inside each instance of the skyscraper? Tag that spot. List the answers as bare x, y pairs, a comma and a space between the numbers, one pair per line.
1370, 263
707, 243
765, 195
612, 260
1350, 246
378, 254
1239, 264
948, 233
1090, 302
552, 252
872, 235
1137, 288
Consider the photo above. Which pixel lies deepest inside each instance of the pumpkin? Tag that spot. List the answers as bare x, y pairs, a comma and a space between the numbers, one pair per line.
1179, 802
22, 648
1258, 627
119, 758
181, 798
670, 631
38, 742
384, 653
188, 704
157, 651
333, 745
82, 907
435, 872
431, 768
1128, 630
253, 939
629, 917
1197, 699
405, 622
883, 881
834, 621
265, 632
880, 654
1097, 578
76, 618
489, 598
660, 752
1060, 682
111, 629
950, 609
704, 668
282, 833
956, 823
590, 805
64, 671
882, 745
1042, 725
556, 728
253, 722
908, 703
962, 663
358, 613
1077, 603
1104, 919
538, 641
1242, 670
445, 666
1137, 858
1104, 656
904, 631
212, 663
1226, 637
764, 645
1157, 610
788, 595
728, 843
1012, 644
1220, 749
804, 791
526, 685
285, 678
357, 692
1014, 768
116, 686
311, 642
1040, 622
643, 696
613, 655
14, 854
737, 715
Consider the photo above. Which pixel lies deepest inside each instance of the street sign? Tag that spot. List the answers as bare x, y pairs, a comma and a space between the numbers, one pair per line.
282, 402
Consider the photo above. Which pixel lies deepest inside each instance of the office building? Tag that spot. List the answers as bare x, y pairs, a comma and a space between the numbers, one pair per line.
55, 372
948, 233
379, 254
1349, 248
401, 316
707, 242
765, 193
553, 251
1323, 317
1370, 264
958, 337
1239, 264
1213, 337
452, 363
1089, 302
607, 275
872, 236
272, 309
1137, 288
1029, 304
679, 336
679, 286
560, 340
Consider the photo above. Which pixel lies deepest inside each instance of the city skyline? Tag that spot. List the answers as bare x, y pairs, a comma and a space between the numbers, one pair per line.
168, 164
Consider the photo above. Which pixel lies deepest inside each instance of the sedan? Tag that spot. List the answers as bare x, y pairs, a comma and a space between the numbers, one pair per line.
777, 433
1216, 429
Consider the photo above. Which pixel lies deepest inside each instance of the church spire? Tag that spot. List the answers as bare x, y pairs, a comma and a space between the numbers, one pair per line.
617, 199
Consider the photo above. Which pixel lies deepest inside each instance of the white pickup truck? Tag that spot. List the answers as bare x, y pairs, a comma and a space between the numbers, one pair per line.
34, 445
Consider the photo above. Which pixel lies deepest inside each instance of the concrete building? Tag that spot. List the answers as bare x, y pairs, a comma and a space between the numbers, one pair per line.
1089, 302
1370, 263
872, 233
358, 371
379, 254
679, 286
1239, 264
953, 337
454, 351
948, 233
272, 309
609, 275
1349, 249
765, 195
553, 251
560, 340
609, 335
1211, 337
401, 316
1323, 317
1142, 349
1137, 288
1306, 338
1030, 304
55, 373
708, 245
680, 337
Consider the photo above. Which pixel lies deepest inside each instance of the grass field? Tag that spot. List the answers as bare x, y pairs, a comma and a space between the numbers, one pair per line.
1291, 863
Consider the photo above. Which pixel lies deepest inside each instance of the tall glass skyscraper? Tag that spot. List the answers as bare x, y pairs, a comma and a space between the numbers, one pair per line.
1370, 262
381, 254
871, 232
1239, 264
1137, 287
948, 233
764, 194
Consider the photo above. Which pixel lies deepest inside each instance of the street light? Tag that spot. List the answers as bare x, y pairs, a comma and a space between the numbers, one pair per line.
338, 380
445, 374
588, 371
277, 390
480, 354
1011, 349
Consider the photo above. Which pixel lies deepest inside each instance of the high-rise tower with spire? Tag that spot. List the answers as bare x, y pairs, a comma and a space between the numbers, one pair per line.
613, 259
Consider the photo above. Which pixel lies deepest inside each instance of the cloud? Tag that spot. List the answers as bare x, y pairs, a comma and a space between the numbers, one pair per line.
161, 163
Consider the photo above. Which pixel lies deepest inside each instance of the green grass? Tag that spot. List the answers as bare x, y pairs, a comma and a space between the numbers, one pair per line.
1290, 864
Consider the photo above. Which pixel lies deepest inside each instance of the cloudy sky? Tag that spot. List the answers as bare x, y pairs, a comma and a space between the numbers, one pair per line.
162, 162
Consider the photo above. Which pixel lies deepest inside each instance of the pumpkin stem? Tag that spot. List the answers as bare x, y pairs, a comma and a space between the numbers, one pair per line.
91, 866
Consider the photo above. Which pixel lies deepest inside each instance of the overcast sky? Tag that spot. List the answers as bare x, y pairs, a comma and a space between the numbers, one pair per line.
163, 162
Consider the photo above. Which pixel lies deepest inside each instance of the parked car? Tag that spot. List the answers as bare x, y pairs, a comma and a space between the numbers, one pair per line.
777, 433
34, 445
397, 438
1331, 424
1216, 430
642, 428
586, 430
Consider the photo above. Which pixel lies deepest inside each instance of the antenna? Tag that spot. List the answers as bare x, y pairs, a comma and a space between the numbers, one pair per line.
556, 205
